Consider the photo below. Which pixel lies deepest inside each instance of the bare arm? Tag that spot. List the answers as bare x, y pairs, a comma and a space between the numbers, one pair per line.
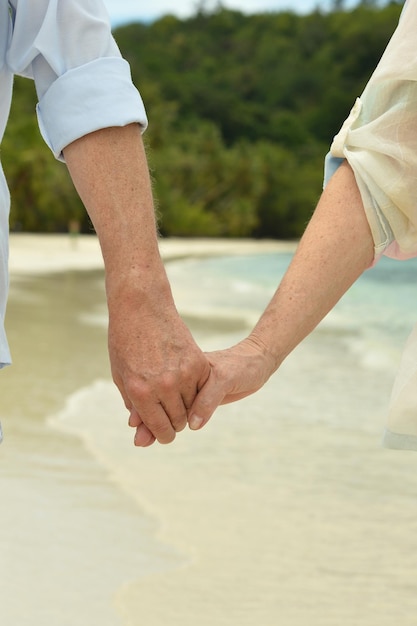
155, 362
334, 251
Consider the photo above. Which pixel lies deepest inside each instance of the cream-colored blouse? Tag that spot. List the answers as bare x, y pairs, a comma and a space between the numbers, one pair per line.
379, 140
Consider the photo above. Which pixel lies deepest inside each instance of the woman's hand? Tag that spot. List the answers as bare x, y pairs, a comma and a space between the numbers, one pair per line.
236, 372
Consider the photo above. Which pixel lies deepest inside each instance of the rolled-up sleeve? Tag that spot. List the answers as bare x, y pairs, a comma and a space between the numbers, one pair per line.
379, 140
82, 81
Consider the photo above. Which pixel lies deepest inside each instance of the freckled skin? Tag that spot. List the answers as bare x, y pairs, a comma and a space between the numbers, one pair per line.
336, 248
162, 375
155, 362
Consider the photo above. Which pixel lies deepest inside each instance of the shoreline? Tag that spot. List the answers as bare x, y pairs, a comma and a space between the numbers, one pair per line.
49, 253
282, 506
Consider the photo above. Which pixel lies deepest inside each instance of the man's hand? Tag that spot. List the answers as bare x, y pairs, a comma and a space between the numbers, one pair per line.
155, 362
156, 365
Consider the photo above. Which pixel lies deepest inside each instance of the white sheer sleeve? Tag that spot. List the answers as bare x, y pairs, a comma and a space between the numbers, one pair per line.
379, 140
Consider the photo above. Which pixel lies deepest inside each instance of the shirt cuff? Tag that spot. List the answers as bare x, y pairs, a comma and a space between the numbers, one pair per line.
97, 95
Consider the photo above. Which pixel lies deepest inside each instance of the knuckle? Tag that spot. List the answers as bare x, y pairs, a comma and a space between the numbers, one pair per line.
139, 390
161, 428
179, 422
204, 404
168, 382
165, 436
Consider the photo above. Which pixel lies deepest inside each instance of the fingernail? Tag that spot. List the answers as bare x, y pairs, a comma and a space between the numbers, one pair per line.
195, 422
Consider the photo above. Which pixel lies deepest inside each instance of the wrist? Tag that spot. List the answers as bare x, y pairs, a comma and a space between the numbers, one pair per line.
272, 357
138, 286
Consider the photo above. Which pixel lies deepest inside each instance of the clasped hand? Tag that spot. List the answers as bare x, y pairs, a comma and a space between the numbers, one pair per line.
166, 381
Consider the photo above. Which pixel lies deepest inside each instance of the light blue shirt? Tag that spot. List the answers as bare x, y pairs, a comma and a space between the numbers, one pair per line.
82, 82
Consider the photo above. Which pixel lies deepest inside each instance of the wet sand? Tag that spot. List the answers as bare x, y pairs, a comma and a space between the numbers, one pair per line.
261, 518
70, 539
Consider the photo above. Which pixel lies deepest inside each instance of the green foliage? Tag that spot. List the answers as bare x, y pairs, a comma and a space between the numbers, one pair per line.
241, 110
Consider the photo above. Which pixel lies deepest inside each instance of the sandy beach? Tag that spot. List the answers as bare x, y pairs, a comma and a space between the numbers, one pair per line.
271, 515
34, 254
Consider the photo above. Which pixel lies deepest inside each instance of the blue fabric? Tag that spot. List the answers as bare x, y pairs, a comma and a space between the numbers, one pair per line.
82, 82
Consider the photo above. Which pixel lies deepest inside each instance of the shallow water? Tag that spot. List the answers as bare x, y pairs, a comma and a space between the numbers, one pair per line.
283, 510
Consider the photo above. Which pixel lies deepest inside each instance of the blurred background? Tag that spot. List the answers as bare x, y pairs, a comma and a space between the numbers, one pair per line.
243, 99
284, 510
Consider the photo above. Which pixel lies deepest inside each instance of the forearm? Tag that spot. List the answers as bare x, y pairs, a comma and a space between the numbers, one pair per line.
334, 251
336, 248
155, 362
109, 170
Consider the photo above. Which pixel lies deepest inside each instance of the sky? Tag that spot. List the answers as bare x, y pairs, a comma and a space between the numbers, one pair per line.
122, 11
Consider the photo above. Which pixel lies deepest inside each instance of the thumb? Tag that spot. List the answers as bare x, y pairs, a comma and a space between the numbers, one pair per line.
205, 403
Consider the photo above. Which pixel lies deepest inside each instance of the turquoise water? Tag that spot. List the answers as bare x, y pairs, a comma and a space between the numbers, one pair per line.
345, 369
380, 308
